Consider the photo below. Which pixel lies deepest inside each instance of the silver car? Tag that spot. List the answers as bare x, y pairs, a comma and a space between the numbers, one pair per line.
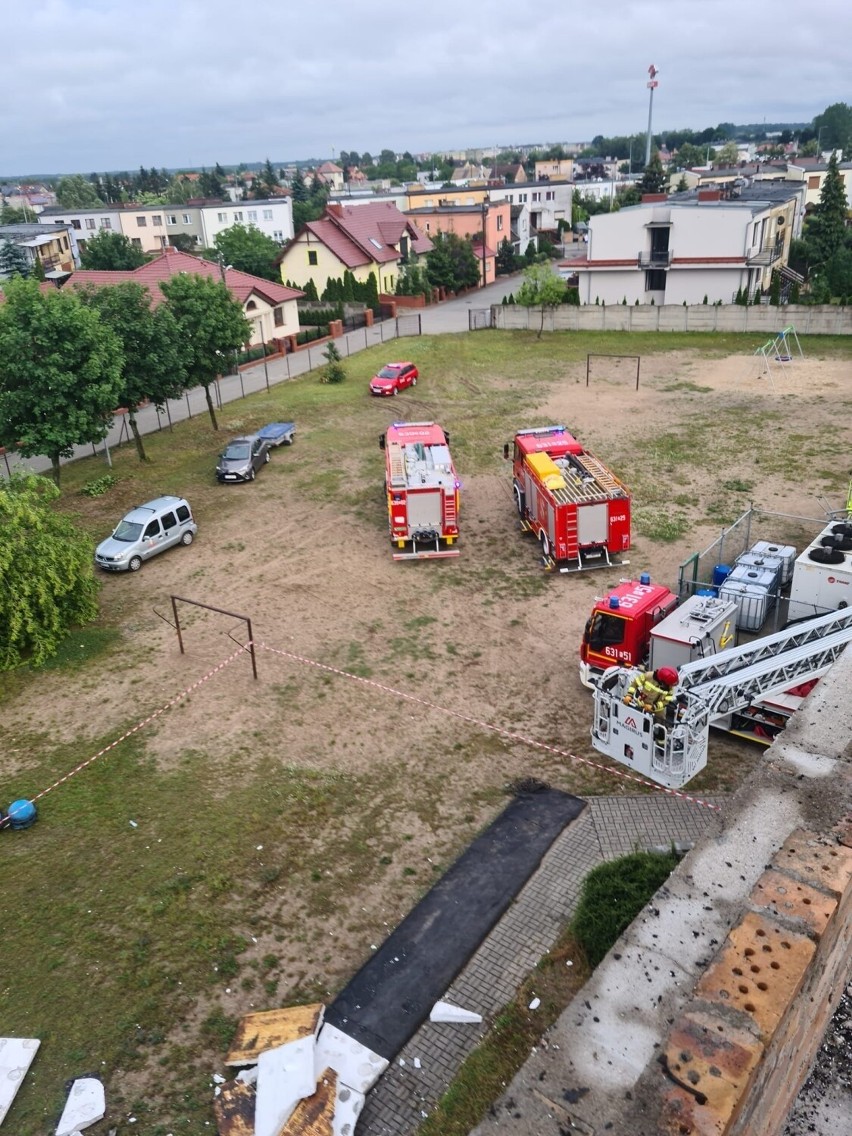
145, 531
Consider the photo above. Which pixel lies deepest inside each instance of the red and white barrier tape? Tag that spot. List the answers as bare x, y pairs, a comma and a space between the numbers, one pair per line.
145, 721
490, 726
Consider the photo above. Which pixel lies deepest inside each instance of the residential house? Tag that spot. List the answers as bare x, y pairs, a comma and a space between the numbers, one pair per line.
812, 172
372, 237
674, 250
551, 168
548, 203
54, 245
273, 216
491, 219
511, 172
470, 171
331, 175
85, 223
271, 308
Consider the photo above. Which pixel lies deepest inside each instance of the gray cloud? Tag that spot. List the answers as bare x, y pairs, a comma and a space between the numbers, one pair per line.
101, 84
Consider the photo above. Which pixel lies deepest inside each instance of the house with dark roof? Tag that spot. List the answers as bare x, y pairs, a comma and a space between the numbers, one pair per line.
271, 308
362, 239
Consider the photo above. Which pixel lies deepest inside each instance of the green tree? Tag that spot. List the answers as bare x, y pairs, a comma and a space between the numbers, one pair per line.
211, 184
298, 188
111, 252
727, 156
60, 372
333, 371
152, 348
268, 182
47, 571
13, 260
689, 155
834, 127
542, 288
506, 259
452, 263
838, 273
249, 250
76, 192
682, 185
211, 324
11, 216
825, 229
654, 179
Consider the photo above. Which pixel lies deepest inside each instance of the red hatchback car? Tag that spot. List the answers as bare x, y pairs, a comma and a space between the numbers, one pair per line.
393, 378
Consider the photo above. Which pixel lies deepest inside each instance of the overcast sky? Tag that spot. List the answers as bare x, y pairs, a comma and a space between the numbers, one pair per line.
95, 85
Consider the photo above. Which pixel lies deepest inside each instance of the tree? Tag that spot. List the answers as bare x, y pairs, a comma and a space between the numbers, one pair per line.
11, 216
210, 183
152, 348
654, 178
60, 372
505, 257
298, 188
47, 572
541, 287
268, 179
211, 324
727, 156
452, 263
249, 250
76, 192
689, 155
826, 227
13, 260
111, 252
333, 371
834, 127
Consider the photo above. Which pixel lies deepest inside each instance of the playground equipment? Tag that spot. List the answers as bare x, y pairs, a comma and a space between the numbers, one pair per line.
779, 352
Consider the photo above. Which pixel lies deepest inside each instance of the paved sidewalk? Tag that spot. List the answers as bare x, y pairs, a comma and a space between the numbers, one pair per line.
609, 827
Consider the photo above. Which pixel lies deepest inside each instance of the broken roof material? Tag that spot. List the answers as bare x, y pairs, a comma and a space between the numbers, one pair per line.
86, 1105
16, 1056
271, 1028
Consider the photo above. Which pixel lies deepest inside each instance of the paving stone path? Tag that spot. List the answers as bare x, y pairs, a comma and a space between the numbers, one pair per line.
609, 827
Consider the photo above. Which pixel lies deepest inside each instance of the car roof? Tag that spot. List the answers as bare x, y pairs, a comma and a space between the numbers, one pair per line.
241, 438
141, 513
407, 363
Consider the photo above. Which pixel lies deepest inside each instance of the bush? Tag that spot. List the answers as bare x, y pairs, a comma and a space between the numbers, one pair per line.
612, 896
312, 333
334, 371
320, 315
99, 486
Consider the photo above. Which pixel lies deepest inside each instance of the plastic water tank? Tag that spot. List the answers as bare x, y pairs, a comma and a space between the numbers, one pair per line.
720, 574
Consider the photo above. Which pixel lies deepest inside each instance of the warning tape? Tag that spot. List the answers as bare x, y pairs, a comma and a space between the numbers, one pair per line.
490, 726
145, 721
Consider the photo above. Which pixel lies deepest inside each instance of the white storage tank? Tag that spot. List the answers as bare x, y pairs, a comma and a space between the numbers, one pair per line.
752, 590
786, 553
756, 561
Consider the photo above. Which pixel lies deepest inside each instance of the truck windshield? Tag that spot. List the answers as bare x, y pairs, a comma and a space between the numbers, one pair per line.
606, 630
127, 531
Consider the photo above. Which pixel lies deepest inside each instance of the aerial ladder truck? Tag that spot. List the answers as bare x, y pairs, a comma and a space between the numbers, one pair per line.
668, 743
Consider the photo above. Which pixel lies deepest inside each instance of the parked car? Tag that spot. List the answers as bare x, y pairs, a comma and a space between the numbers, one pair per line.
393, 378
242, 458
145, 531
278, 433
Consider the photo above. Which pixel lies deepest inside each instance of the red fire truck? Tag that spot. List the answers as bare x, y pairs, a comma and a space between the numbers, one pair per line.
618, 632
577, 508
422, 490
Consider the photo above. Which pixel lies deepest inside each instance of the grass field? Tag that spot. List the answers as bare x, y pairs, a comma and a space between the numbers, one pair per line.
148, 902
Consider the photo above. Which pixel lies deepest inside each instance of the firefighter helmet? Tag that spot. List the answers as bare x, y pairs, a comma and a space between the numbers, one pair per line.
668, 675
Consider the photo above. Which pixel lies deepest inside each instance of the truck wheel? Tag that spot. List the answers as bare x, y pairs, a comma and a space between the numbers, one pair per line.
545, 545
135, 563
519, 500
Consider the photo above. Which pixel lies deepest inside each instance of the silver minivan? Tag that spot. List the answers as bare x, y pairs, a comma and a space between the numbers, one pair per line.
145, 531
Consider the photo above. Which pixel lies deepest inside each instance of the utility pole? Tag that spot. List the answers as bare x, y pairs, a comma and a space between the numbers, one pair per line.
652, 85
484, 219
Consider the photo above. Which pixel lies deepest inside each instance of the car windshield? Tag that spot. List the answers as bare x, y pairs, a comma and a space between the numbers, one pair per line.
238, 452
128, 531
388, 372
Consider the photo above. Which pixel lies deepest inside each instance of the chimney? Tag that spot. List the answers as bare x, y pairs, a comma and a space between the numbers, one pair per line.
334, 208
709, 195
654, 197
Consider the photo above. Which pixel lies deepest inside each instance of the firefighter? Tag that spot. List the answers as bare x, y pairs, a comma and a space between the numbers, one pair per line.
652, 692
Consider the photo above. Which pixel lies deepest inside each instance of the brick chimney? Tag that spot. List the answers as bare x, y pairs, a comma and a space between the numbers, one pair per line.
709, 195
334, 208
654, 197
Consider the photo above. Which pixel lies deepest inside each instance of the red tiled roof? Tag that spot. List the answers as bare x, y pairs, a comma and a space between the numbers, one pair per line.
366, 234
172, 262
337, 242
329, 168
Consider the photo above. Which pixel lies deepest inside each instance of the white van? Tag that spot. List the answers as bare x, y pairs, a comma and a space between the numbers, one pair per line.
145, 531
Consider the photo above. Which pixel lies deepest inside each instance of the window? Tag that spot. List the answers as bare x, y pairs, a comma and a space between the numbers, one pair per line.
499, 222
183, 513
75, 224
157, 220
312, 258
168, 521
427, 227
171, 219
267, 214
522, 197
278, 235
655, 280
403, 246
90, 222
187, 219
136, 242
252, 214
65, 243
813, 182
536, 197
106, 223
278, 317
152, 529
238, 216
222, 217
142, 222
550, 195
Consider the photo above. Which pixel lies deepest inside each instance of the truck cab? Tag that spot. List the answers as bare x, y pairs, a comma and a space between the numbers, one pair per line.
618, 631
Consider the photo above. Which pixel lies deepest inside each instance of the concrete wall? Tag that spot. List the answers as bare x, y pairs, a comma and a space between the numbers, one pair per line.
763, 320
708, 1012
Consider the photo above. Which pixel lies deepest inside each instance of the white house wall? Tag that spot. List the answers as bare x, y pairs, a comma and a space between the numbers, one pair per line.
274, 218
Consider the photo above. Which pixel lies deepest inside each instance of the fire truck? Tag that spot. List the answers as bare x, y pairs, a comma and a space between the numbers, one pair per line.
422, 491
755, 686
578, 510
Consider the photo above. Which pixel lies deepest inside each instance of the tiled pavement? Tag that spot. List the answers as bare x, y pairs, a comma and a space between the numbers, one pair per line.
607, 828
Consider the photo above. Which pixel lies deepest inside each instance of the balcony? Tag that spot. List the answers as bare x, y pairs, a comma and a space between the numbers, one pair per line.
656, 258
766, 254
